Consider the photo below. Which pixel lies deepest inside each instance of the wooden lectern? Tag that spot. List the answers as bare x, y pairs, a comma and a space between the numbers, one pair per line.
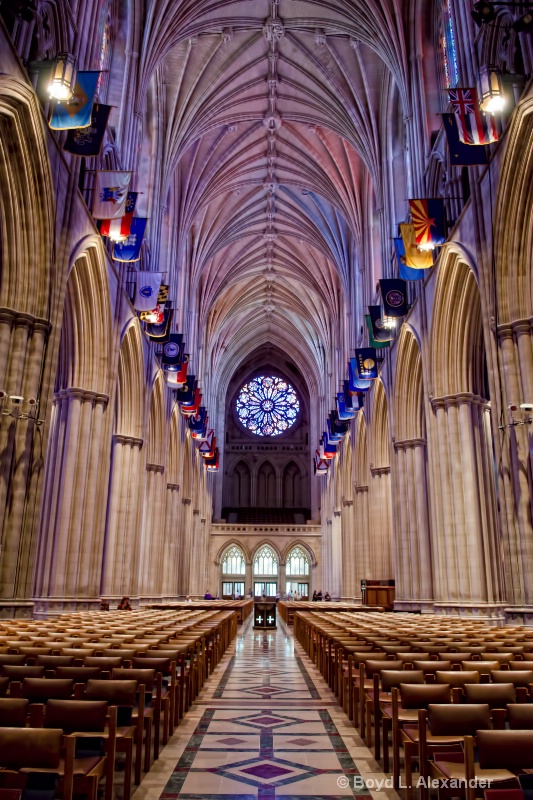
265, 616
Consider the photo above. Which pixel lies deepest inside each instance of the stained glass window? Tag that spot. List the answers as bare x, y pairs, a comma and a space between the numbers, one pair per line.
234, 562
447, 44
297, 562
104, 56
265, 561
268, 406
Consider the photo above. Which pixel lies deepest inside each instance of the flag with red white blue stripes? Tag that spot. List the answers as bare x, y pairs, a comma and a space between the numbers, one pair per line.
474, 126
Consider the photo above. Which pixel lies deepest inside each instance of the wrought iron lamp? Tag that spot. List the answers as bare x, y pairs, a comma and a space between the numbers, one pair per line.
490, 89
63, 78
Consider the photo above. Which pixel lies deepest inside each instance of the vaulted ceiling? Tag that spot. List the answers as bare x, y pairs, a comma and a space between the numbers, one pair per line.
269, 120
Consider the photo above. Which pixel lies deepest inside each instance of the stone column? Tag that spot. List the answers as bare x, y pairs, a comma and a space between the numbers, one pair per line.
185, 546
121, 560
362, 536
349, 571
171, 554
380, 534
516, 510
467, 579
70, 553
335, 585
413, 574
153, 533
22, 346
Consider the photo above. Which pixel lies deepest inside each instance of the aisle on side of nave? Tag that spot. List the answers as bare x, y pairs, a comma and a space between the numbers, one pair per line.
265, 727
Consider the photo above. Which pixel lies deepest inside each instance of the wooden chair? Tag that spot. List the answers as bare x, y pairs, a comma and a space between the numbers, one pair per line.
13, 712
145, 678
123, 695
87, 720
406, 700
444, 727
501, 755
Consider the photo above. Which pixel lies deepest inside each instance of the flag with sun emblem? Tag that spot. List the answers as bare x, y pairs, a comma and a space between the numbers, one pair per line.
366, 363
428, 221
412, 256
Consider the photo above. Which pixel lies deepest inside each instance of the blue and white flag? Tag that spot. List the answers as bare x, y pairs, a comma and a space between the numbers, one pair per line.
111, 193
77, 113
130, 248
147, 290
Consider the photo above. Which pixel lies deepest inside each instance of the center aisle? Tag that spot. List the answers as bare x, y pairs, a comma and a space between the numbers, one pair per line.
265, 726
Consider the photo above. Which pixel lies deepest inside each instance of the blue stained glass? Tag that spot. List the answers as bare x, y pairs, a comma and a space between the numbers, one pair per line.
267, 406
449, 50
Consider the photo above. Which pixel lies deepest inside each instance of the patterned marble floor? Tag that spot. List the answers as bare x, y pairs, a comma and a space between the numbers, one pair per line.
266, 727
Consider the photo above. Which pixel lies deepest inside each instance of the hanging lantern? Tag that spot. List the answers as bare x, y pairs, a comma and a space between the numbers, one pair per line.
63, 78
490, 90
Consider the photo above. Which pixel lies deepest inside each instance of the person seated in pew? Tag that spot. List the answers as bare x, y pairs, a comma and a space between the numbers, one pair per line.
208, 595
327, 596
124, 604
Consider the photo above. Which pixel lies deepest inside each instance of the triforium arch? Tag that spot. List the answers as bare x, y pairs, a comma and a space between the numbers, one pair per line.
464, 532
27, 203
412, 549
71, 536
27, 283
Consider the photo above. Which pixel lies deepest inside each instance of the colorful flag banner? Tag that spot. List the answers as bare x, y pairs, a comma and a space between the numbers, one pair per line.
330, 448
212, 464
406, 273
186, 395
162, 297
344, 412
462, 155
366, 363
87, 142
320, 464
172, 352
111, 193
428, 221
414, 258
147, 290
208, 445
337, 426
77, 113
159, 332
394, 297
473, 125
130, 248
357, 384
377, 329
119, 229
155, 316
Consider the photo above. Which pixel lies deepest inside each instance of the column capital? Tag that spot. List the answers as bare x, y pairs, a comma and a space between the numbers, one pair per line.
360, 489
132, 441
458, 399
23, 319
186, 501
407, 444
522, 326
85, 395
174, 487
155, 468
379, 471
347, 503
196, 512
